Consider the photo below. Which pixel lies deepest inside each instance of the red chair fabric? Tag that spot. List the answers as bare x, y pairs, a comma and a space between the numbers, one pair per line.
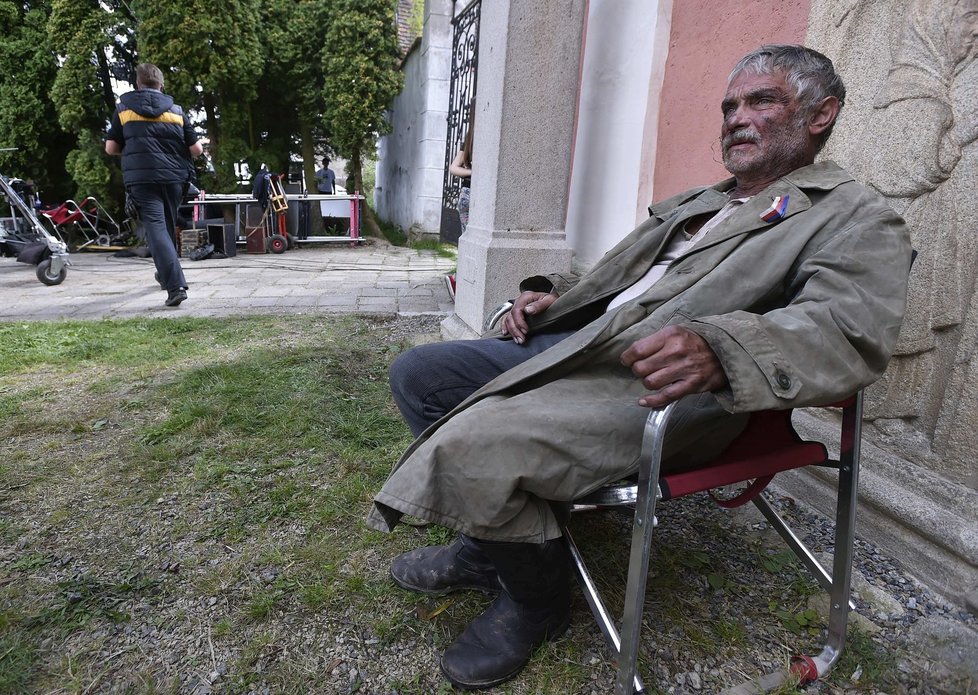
768, 445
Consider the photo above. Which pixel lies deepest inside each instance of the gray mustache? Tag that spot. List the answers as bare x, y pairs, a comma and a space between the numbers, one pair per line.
743, 135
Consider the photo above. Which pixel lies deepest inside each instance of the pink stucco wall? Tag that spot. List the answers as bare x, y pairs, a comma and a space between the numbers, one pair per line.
705, 42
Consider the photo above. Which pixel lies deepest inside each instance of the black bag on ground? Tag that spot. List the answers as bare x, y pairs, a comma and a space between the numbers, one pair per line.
201, 252
34, 253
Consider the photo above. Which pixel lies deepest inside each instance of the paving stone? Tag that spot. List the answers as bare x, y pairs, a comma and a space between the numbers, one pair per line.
316, 277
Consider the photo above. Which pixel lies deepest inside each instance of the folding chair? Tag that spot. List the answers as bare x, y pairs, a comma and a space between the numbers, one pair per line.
88, 219
769, 445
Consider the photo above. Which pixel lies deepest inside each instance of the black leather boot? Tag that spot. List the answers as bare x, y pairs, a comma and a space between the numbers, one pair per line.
533, 607
442, 569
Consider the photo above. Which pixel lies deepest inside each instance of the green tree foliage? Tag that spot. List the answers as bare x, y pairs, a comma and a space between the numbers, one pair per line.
288, 115
95, 44
28, 121
361, 77
88, 167
212, 57
274, 119
416, 19
272, 78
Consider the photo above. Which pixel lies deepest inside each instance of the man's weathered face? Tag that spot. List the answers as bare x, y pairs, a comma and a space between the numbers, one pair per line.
764, 132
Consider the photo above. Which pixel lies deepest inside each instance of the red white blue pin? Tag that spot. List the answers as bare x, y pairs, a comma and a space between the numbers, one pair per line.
778, 207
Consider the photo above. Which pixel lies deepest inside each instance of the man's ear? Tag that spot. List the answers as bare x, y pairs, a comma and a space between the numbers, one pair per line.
823, 116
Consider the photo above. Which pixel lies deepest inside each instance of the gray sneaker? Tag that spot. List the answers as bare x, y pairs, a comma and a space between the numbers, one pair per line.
174, 297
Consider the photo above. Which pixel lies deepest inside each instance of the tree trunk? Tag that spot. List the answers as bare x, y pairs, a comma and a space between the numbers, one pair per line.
213, 127
368, 223
252, 140
357, 173
108, 97
309, 174
213, 131
308, 157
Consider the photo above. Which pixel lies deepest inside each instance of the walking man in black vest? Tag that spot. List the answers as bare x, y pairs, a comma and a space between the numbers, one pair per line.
156, 142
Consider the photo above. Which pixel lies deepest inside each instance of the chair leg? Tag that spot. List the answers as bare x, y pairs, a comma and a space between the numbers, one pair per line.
845, 531
796, 545
638, 563
839, 589
598, 608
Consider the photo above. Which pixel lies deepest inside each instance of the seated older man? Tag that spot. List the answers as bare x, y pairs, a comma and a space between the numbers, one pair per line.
781, 287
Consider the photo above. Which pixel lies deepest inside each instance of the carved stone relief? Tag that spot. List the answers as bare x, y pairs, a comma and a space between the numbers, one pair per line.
912, 130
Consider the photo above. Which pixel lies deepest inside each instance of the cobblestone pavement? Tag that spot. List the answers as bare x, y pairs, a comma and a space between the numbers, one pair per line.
370, 278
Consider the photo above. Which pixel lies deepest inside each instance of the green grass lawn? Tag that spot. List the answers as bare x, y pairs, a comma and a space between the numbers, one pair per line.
182, 502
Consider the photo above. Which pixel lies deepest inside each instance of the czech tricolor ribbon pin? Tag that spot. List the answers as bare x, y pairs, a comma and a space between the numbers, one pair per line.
777, 209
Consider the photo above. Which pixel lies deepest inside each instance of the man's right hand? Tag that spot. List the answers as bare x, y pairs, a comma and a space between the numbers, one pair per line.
532, 303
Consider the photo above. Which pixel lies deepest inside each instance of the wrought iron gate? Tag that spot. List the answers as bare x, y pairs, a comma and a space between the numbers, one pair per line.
461, 102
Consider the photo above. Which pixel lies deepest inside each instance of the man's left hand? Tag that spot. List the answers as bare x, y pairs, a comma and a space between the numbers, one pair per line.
674, 362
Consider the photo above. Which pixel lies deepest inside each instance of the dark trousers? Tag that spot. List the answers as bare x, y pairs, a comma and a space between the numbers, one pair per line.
158, 204
429, 380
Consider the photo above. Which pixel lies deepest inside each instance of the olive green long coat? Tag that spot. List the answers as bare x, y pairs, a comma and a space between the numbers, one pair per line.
800, 310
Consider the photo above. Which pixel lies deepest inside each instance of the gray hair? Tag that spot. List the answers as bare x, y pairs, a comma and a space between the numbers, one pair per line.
809, 73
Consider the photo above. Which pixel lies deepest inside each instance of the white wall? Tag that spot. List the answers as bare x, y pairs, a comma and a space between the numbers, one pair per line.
411, 158
614, 152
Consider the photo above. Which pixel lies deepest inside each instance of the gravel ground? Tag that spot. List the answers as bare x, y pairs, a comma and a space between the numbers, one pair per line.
934, 644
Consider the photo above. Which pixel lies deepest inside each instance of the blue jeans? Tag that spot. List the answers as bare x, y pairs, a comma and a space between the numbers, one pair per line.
158, 204
428, 381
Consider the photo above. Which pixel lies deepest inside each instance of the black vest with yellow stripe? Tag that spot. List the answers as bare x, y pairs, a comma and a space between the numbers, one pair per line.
155, 136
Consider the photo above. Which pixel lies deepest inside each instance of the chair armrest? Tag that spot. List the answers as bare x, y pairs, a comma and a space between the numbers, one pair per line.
493, 318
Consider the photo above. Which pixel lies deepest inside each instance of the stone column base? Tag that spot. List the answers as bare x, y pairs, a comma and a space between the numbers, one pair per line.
454, 328
491, 264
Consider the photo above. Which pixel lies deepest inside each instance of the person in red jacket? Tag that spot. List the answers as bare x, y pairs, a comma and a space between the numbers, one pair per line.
156, 142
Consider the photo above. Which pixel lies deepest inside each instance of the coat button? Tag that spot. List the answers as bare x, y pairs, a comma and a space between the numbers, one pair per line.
784, 381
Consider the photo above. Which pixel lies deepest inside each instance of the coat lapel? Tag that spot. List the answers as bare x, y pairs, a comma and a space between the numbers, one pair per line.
822, 176
750, 217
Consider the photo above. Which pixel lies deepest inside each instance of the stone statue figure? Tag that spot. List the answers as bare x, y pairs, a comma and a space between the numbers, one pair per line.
928, 107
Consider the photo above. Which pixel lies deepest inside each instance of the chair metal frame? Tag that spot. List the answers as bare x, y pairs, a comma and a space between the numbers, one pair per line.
653, 486
89, 218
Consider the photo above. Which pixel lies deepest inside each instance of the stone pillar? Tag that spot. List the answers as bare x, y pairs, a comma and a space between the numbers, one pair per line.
617, 124
436, 47
529, 57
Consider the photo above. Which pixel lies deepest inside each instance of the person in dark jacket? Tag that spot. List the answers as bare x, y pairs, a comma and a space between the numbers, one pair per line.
157, 144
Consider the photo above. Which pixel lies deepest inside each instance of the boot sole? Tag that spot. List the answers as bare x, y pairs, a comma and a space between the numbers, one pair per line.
485, 685
443, 592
